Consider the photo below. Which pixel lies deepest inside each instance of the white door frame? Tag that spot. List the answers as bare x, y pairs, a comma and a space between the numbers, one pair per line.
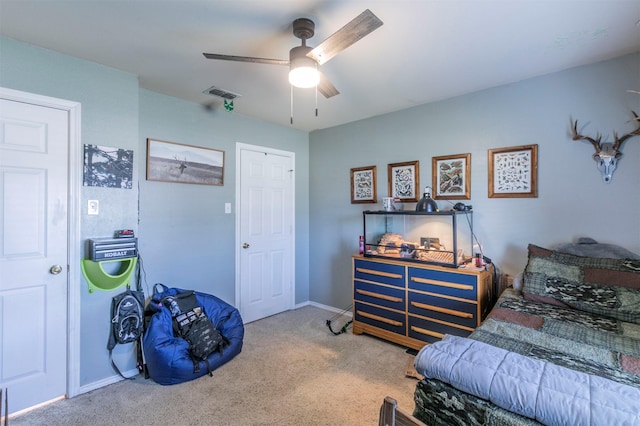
243, 146
73, 237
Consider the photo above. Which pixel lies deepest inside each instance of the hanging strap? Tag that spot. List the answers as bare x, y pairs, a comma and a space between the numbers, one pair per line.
115, 367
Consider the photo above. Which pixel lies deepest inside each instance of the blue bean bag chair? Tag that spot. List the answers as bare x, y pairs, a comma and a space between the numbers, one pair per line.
167, 357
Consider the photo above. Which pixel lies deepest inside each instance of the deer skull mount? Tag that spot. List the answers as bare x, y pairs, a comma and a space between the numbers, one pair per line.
607, 154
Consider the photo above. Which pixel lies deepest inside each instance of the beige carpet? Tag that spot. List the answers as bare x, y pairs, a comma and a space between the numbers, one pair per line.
291, 371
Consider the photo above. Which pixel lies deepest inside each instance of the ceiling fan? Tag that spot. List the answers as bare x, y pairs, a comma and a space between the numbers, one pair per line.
304, 60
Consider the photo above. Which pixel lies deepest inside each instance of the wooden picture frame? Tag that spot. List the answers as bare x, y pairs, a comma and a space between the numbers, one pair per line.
181, 163
363, 185
404, 180
513, 172
451, 177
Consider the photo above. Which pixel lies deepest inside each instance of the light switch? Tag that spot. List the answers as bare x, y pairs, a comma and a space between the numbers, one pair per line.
227, 208
93, 207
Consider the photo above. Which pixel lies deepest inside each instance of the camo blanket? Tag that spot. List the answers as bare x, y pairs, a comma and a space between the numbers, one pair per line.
576, 340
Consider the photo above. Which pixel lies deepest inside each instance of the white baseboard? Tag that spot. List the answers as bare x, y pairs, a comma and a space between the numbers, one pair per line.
108, 381
347, 313
301, 305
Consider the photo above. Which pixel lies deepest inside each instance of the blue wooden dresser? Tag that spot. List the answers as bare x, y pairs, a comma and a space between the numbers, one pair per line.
413, 304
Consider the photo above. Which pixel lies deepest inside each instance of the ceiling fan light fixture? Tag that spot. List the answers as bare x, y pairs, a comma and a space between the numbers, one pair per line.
304, 61
303, 71
304, 77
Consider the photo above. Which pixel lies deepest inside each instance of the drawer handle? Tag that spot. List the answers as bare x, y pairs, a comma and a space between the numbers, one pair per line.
442, 284
379, 296
380, 273
443, 310
381, 319
427, 332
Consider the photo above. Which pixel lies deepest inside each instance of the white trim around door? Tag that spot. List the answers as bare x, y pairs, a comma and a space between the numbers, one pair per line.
238, 243
73, 239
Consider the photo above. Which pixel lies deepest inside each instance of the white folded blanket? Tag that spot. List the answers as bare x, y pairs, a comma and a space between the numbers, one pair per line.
548, 393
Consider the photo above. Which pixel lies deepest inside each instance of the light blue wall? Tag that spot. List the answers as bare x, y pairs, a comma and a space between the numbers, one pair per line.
109, 101
187, 240
573, 201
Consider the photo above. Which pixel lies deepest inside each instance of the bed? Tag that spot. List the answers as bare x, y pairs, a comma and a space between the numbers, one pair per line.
574, 323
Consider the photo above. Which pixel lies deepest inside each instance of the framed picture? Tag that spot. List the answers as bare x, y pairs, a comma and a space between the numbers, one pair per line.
404, 180
363, 185
108, 167
451, 177
513, 172
176, 162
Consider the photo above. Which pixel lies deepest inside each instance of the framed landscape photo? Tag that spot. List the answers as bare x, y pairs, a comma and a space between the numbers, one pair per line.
451, 176
363, 185
176, 162
404, 180
513, 172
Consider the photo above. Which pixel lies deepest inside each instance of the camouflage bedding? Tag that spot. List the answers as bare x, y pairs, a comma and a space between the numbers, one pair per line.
574, 339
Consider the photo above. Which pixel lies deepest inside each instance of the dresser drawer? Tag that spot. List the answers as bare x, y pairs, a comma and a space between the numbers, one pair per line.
379, 317
453, 311
432, 331
390, 297
443, 282
379, 272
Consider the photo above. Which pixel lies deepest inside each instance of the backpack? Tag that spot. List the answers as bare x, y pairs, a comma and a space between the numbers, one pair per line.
192, 324
127, 326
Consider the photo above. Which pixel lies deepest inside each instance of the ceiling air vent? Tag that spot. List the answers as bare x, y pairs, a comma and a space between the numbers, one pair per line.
216, 91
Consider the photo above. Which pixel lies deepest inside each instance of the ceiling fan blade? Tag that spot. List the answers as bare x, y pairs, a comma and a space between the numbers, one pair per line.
359, 27
326, 87
246, 59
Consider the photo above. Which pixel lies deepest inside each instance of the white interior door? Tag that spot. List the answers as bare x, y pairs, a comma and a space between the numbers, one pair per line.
265, 234
34, 143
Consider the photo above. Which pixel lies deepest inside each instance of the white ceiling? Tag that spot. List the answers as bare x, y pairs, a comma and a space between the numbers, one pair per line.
427, 50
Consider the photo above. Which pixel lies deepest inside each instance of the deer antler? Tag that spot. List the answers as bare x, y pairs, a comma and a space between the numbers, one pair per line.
577, 136
620, 140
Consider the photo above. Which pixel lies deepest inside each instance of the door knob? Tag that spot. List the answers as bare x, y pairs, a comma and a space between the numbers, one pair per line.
245, 245
55, 269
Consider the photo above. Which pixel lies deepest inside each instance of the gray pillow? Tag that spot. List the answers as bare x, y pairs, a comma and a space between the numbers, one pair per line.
589, 247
